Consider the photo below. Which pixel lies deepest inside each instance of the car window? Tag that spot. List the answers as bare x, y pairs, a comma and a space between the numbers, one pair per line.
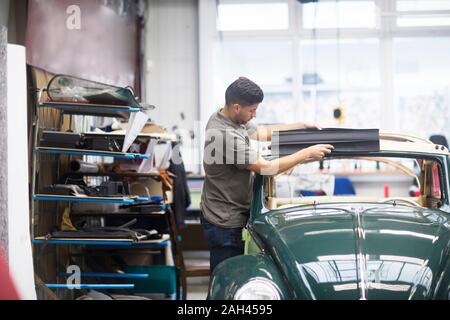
364, 179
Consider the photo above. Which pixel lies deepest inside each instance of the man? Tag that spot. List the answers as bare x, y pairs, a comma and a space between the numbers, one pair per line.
229, 162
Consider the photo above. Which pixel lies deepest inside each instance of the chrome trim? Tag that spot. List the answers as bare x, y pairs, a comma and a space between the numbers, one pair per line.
360, 257
258, 280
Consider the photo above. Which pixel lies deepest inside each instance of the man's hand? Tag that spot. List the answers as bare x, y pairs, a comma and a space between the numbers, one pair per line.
318, 151
312, 125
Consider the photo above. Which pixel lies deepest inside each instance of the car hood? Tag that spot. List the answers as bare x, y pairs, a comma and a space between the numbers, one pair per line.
358, 251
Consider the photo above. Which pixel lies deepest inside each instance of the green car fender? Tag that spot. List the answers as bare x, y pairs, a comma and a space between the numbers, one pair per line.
233, 273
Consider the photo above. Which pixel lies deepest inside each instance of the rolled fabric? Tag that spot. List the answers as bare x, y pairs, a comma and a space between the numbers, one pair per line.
82, 166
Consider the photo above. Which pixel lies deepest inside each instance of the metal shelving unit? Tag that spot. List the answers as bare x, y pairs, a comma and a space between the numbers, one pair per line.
75, 108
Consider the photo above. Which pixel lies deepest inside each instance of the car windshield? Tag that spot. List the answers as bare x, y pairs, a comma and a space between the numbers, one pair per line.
409, 181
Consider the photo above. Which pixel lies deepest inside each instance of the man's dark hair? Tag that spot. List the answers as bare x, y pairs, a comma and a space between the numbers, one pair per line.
244, 92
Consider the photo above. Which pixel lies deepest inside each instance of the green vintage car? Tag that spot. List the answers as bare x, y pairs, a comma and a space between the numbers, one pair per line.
390, 239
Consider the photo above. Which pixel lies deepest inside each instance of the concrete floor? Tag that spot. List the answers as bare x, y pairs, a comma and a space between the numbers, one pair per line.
197, 287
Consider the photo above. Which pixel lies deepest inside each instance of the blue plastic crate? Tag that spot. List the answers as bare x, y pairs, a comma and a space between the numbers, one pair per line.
161, 279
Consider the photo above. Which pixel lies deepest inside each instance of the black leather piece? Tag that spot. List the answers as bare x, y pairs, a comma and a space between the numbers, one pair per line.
57, 139
106, 143
70, 140
144, 207
106, 189
64, 190
107, 233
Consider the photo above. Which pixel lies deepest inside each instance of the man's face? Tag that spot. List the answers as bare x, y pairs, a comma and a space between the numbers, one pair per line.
245, 114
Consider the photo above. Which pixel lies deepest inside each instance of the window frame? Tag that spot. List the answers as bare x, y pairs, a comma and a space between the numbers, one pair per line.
386, 31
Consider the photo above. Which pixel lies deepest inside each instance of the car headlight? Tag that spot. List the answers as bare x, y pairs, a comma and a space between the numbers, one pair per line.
258, 289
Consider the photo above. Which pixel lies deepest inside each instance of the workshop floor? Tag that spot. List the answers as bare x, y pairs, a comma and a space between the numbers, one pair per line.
197, 287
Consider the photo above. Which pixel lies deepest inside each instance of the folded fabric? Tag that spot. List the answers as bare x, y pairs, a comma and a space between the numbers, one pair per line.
56, 139
65, 190
70, 140
148, 208
144, 207
106, 189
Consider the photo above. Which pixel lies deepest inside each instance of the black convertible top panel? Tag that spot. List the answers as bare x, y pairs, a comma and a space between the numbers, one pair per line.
345, 141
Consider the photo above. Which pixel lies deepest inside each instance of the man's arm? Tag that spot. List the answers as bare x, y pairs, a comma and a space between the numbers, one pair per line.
264, 133
276, 166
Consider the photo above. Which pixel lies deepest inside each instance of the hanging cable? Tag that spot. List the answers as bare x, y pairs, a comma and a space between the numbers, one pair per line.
315, 76
338, 112
338, 53
219, 23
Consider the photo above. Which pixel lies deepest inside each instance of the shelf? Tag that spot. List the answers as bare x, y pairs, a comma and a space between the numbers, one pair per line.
98, 153
109, 275
118, 174
121, 133
99, 242
126, 199
100, 214
163, 242
46, 197
89, 109
88, 286
155, 199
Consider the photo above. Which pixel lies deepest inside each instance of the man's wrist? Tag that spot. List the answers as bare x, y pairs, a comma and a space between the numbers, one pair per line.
304, 154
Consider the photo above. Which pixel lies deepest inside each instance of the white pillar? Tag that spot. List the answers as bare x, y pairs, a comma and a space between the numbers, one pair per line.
19, 242
3, 145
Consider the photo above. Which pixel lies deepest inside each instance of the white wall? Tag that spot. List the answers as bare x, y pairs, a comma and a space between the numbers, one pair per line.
171, 67
19, 242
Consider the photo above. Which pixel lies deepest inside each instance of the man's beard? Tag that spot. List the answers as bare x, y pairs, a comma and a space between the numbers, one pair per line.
243, 121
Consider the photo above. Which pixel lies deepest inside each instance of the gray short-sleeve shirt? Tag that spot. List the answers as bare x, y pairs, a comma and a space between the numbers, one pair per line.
226, 192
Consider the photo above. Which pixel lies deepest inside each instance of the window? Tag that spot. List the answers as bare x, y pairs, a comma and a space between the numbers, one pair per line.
352, 81
327, 180
422, 85
422, 5
423, 20
309, 59
253, 16
423, 13
339, 14
269, 64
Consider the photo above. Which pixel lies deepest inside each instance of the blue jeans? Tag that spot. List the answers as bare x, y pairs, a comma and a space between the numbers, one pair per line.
223, 243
